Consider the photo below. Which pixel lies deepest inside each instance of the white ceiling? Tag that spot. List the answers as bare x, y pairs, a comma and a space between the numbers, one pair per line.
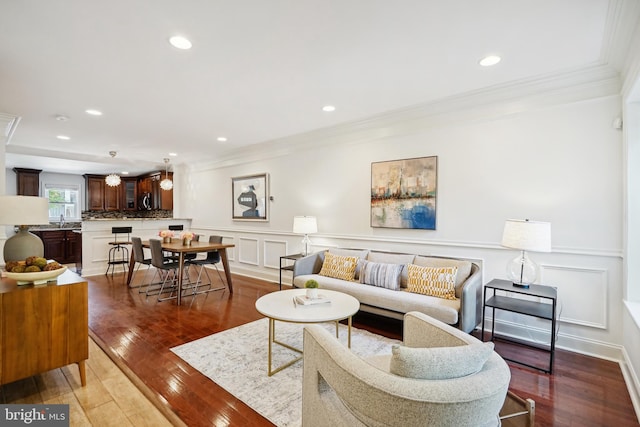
261, 70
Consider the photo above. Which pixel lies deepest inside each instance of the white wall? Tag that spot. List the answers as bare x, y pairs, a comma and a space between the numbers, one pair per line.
559, 163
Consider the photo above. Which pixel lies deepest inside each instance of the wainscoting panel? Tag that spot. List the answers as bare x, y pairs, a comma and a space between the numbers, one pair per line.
248, 251
273, 250
582, 294
231, 252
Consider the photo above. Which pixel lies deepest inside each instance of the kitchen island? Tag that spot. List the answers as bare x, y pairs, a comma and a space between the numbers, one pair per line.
96, 235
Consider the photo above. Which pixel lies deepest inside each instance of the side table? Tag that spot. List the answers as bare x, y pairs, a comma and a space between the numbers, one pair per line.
536, 309
288, 267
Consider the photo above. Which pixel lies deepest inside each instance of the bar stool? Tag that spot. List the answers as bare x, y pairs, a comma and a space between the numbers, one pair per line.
119, 252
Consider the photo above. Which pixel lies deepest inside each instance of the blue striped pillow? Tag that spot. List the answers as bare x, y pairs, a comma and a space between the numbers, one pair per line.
382, 275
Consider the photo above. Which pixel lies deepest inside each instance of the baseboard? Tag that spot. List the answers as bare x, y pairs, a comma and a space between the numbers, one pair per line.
631, 380
564, 341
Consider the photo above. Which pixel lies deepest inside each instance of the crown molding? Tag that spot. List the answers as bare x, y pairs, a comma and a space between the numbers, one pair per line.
542, 91
622, 20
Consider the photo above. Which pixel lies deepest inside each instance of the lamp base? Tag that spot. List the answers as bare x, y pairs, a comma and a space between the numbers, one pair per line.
305, 245
521, 285
22, 245
522, 271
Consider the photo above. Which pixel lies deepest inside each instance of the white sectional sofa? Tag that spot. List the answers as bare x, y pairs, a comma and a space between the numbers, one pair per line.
464, 311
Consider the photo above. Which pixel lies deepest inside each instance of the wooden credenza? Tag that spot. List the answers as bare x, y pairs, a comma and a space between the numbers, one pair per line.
43, 327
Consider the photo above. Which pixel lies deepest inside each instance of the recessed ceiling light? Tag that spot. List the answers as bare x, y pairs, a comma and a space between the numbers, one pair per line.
328, 108
222, 139
93, 112
63, 137
490, 60
124, 173
173, 154
180, 42
62, 118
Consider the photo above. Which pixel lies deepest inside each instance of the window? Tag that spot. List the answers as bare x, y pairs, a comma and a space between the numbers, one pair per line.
63, 200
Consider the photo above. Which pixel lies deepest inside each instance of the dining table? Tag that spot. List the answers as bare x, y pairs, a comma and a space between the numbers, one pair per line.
177, 246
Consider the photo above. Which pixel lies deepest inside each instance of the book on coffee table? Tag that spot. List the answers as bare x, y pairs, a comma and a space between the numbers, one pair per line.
304, 300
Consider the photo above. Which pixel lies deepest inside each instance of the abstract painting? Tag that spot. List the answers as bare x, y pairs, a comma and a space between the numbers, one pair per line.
249, 196
403, 193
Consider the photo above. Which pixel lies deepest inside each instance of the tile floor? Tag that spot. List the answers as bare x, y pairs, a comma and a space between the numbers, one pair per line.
108, 399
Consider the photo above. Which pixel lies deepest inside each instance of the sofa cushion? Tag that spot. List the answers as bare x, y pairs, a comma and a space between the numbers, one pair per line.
464, 267
360, 253
434, 281
373, 298
391, 258
439, 363
381, 274
339, 267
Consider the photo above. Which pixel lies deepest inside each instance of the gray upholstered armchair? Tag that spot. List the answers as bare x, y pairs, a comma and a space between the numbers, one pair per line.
341, 389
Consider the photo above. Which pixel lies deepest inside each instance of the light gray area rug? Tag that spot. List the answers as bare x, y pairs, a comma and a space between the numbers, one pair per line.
236, 359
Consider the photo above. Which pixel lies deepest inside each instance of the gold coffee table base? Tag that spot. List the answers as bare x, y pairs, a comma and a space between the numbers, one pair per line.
272, 340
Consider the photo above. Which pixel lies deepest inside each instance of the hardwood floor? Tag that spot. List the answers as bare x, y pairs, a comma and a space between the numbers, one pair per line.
139, 331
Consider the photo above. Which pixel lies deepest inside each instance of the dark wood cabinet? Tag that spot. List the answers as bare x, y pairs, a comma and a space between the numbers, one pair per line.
64, 246
144, 184
95, 192
27, 181
112, 197
129, 194
100, 196
124, 197
161, 199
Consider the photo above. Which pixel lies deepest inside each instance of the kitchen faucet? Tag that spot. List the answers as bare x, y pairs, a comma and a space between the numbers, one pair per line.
61, 220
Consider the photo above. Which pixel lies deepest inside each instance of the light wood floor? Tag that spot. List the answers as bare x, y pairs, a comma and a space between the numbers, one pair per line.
108, 399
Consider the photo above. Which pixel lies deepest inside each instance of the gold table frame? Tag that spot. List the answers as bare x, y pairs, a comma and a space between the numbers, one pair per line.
272, 340
281, 306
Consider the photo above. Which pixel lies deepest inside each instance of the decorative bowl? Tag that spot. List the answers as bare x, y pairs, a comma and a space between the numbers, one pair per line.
36, 277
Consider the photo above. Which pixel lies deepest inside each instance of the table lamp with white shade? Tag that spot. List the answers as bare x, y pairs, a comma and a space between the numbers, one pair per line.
23, 211
305, 225
525, 235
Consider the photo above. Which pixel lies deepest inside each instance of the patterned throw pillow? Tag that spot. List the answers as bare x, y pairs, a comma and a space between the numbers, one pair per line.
339, 267
381, 275
435, 281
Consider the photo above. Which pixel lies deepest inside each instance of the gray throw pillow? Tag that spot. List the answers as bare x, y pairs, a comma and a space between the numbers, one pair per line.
381, 275
439, 363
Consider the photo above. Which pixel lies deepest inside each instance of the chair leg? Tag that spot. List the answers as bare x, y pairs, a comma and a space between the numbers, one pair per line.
150, 284
211, 288
133, 276
174, 282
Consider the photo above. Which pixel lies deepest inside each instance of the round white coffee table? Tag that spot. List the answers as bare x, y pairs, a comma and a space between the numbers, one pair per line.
281, 306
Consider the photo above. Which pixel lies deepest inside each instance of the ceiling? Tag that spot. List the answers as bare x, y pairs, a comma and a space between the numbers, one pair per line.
261, 70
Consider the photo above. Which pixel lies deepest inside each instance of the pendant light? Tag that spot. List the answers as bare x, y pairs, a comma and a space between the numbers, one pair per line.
166, 183
112, 180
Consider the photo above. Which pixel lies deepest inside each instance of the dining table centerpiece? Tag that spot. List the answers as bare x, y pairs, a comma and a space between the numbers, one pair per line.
166, 235
187, 237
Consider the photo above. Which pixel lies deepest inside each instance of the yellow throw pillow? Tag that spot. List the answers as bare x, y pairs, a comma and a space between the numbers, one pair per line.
434, 281
339, 266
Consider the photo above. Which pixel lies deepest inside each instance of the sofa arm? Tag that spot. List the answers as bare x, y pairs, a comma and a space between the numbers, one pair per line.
310, 264
423, 331
471, 301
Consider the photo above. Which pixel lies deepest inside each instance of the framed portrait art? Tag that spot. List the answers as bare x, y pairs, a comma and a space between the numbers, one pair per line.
404, 193
250, 195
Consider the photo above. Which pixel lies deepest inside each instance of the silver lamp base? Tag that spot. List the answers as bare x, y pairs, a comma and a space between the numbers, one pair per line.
22, 245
